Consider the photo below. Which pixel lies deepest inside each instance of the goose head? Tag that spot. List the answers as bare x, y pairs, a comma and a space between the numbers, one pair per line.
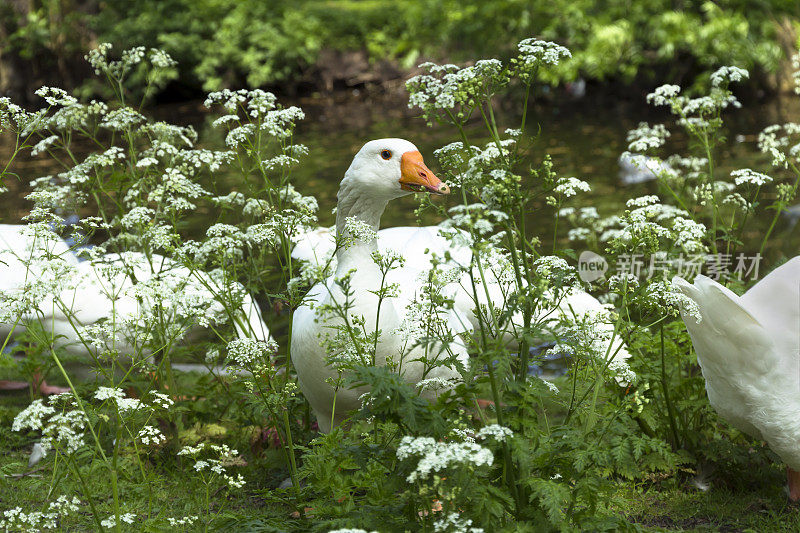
390, 168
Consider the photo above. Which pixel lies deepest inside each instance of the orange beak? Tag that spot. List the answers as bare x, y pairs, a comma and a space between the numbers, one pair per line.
416, 177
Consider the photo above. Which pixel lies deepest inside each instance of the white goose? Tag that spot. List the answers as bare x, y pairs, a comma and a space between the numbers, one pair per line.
748, 348
97, 290
382, 170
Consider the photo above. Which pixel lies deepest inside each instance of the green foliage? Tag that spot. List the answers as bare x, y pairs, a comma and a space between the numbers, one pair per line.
253, 43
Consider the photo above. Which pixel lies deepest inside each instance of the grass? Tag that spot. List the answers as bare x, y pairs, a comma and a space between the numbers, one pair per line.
762, 507
747, 500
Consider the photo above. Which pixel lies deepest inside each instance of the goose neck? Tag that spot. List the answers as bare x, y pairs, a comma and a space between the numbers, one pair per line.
367, 209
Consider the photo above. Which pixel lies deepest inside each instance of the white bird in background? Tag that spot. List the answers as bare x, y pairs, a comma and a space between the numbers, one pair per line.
98, 290
20, 245
748, 348
383, 170
638, 168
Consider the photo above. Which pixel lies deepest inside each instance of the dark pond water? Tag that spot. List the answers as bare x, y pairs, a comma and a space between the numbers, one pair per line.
584, 138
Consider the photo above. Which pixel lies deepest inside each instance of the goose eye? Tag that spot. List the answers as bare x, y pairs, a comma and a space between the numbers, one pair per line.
386, 154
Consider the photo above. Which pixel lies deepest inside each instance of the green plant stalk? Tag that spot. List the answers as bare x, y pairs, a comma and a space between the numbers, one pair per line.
665, 389
292, 462
87, 493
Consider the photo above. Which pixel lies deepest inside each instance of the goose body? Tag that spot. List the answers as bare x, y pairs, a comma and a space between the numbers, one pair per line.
748, 348
417, 245
102, 289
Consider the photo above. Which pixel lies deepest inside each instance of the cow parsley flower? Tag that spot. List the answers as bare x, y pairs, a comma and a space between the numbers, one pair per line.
689, 234
32, 417
358, 230
550, 385
533, 51
569, 187
136, 216
454, 522
150, 435
439, 456
17, 520
56, 96
646, 137
750, 177
663, 95
727, 74
249, 352
108, 393
122, 119
161, 59
495, 431
185, 521
161, 400
43, 145
111, 521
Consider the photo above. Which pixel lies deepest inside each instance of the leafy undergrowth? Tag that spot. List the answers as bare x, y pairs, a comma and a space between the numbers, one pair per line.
742, 497
664, 505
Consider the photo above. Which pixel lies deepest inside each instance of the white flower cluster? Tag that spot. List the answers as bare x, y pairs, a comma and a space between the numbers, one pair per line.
55, 96
122, 119
448, 88
698, 114
550, 385
83, 172
124, 404
750, 177
663, 95
728, 74
124, 518
98, 59
248, 353
16, 119
569, 187
39, 273
175, 191
17, 520
262, 114
646, 137
224, 457
137, 216
494, 431
454, 523
534, 51
150, 435
43, 145
436, 384
669, 298
439, 456
592, 335
356, 230
780, 142
688, 234
185, 521
478, 218
161, 400
550, 265
64, 430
